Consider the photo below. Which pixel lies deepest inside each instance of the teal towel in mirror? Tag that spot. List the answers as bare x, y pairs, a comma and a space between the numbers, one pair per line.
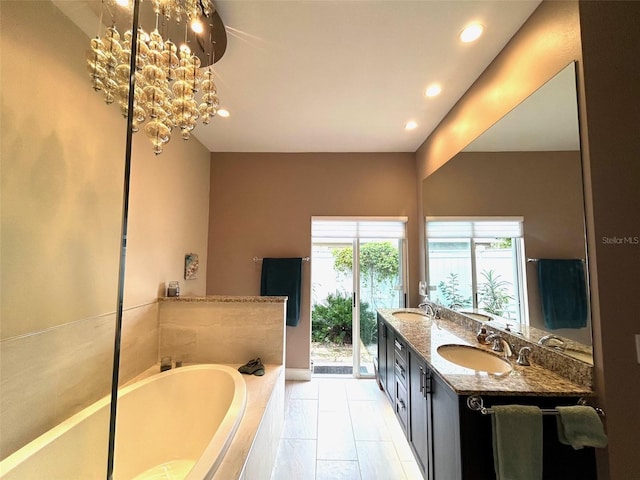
517, 442
283, 277
563, 293
580, 426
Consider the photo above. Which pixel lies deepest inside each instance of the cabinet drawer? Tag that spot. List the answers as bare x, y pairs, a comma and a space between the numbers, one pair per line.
402, 405
401, 371
401, 348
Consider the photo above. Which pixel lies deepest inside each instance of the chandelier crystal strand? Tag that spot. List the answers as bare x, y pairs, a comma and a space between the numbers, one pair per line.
113, 50
209, 106
166, 79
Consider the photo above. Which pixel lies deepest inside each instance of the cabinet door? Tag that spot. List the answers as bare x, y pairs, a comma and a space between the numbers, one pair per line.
445, 421
391, 355
382, 354
420, 413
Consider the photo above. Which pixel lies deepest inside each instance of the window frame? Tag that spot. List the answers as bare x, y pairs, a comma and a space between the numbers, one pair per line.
519, 261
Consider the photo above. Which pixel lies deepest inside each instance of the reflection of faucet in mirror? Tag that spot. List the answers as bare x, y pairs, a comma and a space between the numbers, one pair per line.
552, 341
433, 314
509, 159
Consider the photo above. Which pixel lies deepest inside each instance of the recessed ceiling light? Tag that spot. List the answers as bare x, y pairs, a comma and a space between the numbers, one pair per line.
433, 90
410, 125
123, 3
223, 113
471, 33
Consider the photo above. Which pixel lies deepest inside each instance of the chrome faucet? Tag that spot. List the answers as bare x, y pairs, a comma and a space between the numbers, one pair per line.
500, 344
430, 312
552, 341
523, 356
426, 307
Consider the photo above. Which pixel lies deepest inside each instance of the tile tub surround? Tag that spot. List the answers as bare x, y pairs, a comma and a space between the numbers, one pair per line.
222, 329
49, 375
45, 381
425, 336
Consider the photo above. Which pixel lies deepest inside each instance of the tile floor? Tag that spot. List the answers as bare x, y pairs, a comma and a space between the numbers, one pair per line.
341, 429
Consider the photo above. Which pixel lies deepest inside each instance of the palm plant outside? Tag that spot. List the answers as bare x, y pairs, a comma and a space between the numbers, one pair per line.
493, 293
493, 296
451, 292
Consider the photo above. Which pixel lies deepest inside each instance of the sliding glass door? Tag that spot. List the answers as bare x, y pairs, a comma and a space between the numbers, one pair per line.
358, 266
379, 285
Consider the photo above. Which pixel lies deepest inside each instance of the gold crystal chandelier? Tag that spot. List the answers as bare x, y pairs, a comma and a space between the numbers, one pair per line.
167, 76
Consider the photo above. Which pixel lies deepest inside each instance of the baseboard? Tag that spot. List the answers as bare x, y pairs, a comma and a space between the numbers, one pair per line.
299, 374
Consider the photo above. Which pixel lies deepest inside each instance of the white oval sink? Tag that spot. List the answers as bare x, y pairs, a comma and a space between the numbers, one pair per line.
409, 315
474, 358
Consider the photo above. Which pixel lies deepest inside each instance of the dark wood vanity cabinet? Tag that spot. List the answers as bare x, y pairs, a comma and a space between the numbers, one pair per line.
401, 382
449, 440
420, 423
386, 359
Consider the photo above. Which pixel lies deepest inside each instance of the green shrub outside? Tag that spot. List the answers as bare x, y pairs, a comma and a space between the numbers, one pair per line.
331, 321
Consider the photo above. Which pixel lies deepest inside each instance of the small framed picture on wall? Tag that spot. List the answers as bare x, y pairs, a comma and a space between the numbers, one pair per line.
191, 266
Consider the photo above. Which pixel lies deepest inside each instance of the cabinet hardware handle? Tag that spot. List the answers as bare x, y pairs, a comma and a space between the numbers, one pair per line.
398, 345
421, 381
427, 383
401, 403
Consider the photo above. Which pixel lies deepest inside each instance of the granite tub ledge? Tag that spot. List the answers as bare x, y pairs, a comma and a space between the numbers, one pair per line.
226, 299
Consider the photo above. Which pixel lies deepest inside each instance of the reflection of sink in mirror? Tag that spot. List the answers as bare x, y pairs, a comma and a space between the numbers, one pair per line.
409, 316
477, 316
578, 355
474, 358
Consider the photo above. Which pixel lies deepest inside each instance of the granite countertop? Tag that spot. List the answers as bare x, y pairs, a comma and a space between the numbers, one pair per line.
425, 336
226, 299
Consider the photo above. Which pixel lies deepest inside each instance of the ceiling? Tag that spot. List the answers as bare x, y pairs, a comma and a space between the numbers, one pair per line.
346, 76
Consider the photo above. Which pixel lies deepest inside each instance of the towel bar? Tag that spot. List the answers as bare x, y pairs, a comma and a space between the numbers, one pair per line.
475, 403
258, 259
531, 260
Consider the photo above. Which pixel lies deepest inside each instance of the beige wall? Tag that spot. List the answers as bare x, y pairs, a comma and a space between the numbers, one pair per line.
61, 176
61, 199
611, 96
608, 86
543, 187
262, 204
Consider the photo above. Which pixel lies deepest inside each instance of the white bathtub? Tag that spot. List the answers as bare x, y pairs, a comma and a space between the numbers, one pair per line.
173, 425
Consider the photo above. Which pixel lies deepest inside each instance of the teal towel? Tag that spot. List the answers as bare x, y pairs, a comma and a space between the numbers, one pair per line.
563, 292
517, 442
283, 276
580, 426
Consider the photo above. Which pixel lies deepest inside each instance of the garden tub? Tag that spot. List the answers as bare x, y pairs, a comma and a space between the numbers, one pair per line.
176, 424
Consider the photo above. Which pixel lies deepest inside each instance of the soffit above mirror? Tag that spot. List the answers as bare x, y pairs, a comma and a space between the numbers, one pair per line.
546, 121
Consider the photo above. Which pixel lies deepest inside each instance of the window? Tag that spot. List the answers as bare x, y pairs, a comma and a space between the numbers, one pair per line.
477, 263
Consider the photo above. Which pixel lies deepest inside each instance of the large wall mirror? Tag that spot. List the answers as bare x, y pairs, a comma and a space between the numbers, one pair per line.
527, 167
